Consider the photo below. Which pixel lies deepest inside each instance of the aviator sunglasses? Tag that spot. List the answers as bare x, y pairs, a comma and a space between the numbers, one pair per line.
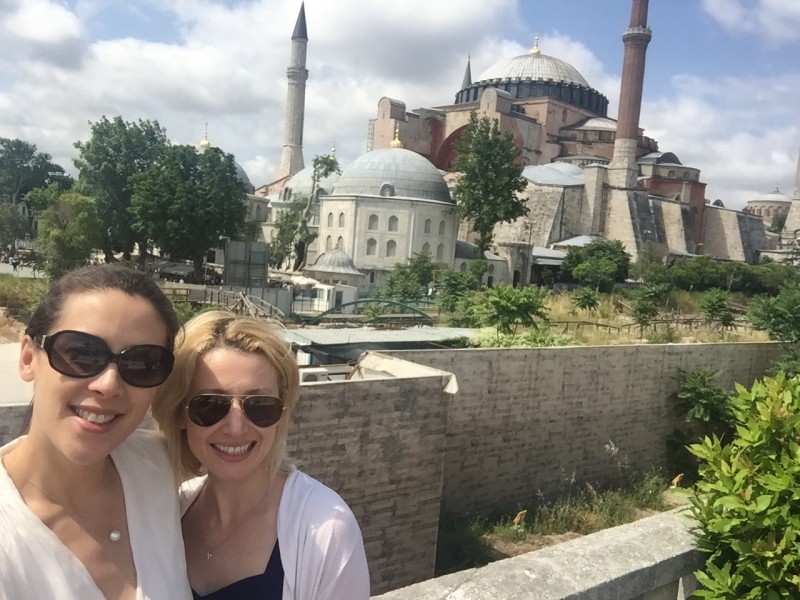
81, 355
206, 410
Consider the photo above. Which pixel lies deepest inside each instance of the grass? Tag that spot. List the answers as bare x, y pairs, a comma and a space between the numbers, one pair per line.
467, 543
21, 293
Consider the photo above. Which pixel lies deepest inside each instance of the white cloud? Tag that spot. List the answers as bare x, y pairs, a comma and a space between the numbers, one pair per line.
773, 20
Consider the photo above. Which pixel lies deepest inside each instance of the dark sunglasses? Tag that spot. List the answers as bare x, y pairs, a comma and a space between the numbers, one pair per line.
81, 355
206, 410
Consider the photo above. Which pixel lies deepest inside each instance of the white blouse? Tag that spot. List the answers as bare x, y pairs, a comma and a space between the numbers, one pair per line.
35, 564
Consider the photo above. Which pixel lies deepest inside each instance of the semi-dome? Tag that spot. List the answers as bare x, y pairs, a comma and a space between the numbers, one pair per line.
335, 261
536, 75
393, 172
775, 196
301, 183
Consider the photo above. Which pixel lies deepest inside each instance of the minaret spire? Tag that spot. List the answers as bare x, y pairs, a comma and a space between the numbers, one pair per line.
297, 74
467, 75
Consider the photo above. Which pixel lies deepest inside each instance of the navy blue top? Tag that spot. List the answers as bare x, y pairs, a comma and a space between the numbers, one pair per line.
267, 586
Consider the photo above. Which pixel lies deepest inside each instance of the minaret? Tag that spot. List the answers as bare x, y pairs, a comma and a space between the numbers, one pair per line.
636, 38
297, 74
792, 225
619, 214
467, 76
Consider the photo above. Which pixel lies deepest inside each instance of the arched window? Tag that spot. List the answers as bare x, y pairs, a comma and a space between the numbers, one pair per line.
426, 248
491, 269
463, 267
427, 225
440, 252
328, 243
340, 243
373, 222
393, 223
441, 227
341, 219
372, 247
330, 219
671, 174
686, 174
391, 248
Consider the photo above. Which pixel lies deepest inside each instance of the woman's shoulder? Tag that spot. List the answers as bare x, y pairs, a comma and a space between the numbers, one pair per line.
312, 501
189, 490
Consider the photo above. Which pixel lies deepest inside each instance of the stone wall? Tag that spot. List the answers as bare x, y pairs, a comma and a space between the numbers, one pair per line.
533, 421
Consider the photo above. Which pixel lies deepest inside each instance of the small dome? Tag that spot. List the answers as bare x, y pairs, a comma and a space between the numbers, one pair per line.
534, 66
393, 172
335, 261
301, 183
774, 196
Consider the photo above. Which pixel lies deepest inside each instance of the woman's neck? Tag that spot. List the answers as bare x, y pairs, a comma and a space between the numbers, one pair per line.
232, 501
45, 467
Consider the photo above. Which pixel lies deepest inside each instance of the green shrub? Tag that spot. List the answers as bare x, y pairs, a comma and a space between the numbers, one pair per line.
668, 335
585, 299
714, 305
747, 502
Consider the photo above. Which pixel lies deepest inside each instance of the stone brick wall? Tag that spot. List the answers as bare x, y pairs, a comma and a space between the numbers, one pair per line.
532, 421
380, 444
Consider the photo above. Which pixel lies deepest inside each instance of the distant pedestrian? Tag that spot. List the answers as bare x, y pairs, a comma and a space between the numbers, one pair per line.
14, 263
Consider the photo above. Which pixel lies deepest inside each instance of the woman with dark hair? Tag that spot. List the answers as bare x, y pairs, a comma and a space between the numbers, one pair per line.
87, 503
253, 525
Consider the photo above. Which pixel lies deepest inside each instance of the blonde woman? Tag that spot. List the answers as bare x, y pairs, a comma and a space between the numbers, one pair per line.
253, 525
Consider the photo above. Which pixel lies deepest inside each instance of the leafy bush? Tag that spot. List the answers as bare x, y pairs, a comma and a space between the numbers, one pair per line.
585, 299
714, 305
778, 315
669, 335
702, 402
505, 307
488, 338
747, 504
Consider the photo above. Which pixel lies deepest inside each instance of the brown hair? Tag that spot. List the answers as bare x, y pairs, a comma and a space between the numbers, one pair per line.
210, 331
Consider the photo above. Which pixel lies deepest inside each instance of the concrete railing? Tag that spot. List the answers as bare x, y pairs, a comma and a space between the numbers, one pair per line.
650, 559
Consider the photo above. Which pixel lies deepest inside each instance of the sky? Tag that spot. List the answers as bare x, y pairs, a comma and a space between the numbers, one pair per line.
722, 82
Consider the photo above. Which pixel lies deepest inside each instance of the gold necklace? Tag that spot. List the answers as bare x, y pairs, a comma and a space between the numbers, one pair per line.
113, 536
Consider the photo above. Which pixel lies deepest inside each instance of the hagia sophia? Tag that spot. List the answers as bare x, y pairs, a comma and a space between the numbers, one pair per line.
589, 175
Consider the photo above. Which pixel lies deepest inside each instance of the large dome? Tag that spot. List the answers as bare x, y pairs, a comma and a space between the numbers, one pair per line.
393, 172
535, 75
534, 66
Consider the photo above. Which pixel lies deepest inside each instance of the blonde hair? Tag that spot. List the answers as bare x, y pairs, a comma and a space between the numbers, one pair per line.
210, 331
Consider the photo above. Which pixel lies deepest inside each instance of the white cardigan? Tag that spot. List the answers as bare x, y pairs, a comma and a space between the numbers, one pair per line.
322, 552
35, 564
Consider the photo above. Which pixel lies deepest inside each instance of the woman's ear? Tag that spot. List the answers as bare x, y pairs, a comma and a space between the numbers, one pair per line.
27, 359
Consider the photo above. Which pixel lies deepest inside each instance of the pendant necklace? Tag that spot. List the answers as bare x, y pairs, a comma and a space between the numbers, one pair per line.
114, 536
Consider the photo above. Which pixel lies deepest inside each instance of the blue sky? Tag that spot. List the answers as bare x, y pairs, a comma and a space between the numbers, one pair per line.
721, 84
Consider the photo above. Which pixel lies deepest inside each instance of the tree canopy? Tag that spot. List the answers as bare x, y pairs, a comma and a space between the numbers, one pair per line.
324, 165
69, 230
116, 151
22, 169
188, 201
598, 264
489, 180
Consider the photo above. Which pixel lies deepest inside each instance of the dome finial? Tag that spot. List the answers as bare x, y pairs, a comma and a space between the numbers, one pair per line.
396, 143
204, 143
535, 49
333, 149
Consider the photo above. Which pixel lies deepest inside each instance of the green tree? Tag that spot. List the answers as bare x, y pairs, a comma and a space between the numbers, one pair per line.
287, 226
505, 307
324, 165
410, 281
597, 250
452, 285
69, 231
596, 273
779, 315
778, 221
699, 273
13, 225
116, 151
585, 299
489, 181
188, 202
715, 306
649, 266
22, 169
644, 311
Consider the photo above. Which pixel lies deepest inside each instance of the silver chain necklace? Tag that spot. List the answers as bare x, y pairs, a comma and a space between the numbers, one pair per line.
113, 536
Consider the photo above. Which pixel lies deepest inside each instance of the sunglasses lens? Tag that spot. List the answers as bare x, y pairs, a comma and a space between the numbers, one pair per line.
263, 411
145, 366
78, 354
208, 409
